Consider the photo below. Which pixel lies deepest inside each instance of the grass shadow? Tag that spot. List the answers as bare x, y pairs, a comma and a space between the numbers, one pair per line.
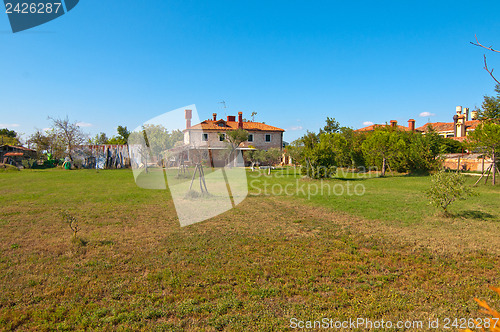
351, 179
417, 174
474, 214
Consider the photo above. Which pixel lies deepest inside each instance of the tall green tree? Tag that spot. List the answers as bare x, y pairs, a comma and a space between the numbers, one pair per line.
157, 139
422, 151
45, 142
98, 139
382, 147
490, 108
69, 133
122, 138
296, 151
234, 138
123, 132
332, 126
253, 156
354, 150
486, 139
9, 137
270, 157
321, 155
8, 133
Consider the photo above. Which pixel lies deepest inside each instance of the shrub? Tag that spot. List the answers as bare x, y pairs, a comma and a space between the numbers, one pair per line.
447, 188
8, 168
72, 222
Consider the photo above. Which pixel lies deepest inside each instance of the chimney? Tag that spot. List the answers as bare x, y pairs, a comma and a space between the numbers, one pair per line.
214, 116
411, 124
455, 120
466, 113
188, 115
460, 127
474, 115
394, 123
240, 119
459, 110
231, 118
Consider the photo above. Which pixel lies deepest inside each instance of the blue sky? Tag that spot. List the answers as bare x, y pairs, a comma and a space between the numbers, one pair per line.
110, 63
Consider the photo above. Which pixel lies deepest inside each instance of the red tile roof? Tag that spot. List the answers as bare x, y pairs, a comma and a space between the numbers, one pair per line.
460, 139
19, 147
209, 125
448, 126
376, 126
13, 154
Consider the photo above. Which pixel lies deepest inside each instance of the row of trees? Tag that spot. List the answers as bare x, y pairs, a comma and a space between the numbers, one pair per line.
157, 139
385, 148
102, 138
486, 138
390, 148
65, 136
263, 157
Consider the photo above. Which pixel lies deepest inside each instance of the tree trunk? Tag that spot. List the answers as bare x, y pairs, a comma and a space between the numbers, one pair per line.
69, 153
383, 166
493, 156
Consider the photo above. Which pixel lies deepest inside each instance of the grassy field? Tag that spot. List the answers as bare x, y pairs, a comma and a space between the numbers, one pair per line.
385, 254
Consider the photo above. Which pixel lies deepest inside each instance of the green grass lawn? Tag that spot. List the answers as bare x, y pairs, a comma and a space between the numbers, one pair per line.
398, 198
385, 254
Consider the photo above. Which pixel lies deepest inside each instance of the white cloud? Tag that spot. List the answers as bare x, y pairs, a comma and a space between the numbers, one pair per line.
367, 123
426, 114
84, 124
9, 125
295, 128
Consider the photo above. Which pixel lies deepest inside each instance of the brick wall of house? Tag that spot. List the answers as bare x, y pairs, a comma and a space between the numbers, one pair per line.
194, 137
259, 140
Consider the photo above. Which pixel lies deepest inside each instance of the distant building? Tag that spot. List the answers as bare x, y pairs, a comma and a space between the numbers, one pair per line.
459, 128
393, 124
209, 136
14, 155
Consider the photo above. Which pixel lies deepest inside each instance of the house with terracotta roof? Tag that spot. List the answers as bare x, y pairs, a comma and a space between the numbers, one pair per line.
209, 136
457, 130
393, 124
14, 155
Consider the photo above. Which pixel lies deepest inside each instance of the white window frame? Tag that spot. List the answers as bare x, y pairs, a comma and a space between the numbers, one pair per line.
203, 135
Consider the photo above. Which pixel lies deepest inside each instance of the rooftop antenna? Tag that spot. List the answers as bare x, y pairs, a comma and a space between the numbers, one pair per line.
253, 116
223, 103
